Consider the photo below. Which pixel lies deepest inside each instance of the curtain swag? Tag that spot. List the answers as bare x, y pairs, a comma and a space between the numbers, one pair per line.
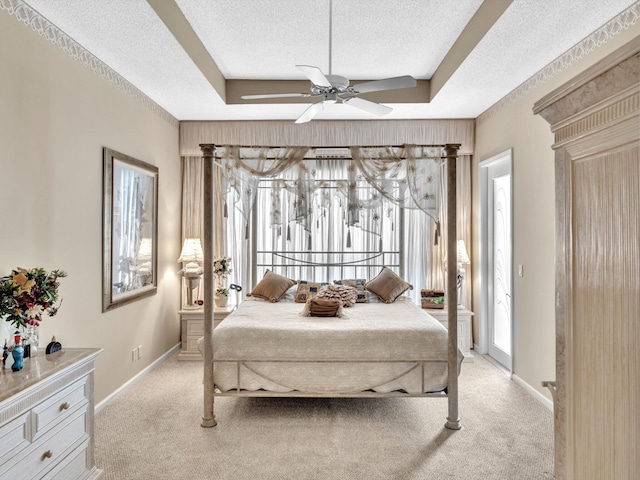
409, 176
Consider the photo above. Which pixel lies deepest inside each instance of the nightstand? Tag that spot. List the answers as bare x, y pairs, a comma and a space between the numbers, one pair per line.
192, 328
464, 328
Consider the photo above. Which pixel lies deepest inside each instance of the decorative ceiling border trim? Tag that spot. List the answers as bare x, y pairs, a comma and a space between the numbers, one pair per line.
615, 26
31, 17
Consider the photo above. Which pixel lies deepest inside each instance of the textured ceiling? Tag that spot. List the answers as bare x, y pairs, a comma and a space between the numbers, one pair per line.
370, 39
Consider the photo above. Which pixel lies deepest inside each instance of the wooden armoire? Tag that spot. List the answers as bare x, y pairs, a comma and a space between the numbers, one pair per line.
596, 122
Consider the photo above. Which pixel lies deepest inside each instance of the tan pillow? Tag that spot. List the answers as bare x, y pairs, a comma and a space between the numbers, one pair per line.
320, 307
307, 290
388, 286
272, 287
358, 284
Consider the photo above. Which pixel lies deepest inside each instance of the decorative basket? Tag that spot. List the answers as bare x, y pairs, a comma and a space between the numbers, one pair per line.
432, 298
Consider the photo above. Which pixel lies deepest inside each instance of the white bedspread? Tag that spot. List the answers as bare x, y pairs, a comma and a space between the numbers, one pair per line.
369, 348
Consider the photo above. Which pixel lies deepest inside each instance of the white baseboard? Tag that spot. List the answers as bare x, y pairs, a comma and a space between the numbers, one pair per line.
133, 380
535, 393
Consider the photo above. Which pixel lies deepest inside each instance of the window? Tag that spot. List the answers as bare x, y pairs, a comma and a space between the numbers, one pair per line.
311, 224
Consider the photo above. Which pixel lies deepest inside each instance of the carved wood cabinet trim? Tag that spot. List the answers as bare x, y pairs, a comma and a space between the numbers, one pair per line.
596, 122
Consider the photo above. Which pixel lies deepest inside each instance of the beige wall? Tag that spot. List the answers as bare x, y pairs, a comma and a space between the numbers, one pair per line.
55, 117
533, 218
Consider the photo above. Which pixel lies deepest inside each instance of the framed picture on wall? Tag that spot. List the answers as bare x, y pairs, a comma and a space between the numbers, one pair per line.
129, 230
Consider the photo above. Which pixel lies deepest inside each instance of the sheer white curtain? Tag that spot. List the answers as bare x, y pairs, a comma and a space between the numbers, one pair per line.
302, 219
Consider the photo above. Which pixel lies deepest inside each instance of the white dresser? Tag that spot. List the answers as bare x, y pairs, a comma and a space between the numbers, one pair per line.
46, 417
192, 328
464, 328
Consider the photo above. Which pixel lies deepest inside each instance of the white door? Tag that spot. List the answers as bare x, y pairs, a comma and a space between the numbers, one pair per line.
497, 251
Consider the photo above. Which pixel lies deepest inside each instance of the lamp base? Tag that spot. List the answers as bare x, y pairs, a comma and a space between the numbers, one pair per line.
191, 307
192, 283
460, 278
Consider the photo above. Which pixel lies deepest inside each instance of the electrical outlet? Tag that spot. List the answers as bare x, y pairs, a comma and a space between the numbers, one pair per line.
139, 352
521, 270
134, 355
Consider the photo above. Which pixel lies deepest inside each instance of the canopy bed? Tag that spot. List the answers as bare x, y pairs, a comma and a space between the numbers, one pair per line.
385, 348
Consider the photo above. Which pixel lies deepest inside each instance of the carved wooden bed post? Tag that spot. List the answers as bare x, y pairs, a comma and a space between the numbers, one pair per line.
208, 417
453, 421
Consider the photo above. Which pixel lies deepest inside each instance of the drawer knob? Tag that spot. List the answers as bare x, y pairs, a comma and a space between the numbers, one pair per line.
47, 454
64, 406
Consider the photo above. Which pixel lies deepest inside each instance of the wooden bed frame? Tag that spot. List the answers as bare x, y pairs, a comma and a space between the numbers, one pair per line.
209, 420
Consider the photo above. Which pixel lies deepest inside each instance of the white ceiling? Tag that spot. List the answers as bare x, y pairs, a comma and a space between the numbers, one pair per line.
370, 39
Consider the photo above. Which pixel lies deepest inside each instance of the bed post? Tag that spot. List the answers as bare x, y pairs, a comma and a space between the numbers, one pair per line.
453, 421
208, 417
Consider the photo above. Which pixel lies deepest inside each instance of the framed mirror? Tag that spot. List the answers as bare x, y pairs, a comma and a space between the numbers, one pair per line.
129, 230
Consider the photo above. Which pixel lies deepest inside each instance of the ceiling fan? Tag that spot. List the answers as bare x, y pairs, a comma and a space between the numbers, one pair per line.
335, 88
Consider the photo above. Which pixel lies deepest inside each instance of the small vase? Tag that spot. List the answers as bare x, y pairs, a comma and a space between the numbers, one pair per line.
32, 337
18, 357
220, 300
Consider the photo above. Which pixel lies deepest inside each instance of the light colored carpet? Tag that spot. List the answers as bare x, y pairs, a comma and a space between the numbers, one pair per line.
152, 431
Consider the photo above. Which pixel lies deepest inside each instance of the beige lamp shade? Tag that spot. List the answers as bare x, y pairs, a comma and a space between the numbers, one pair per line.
191, 253
463, 256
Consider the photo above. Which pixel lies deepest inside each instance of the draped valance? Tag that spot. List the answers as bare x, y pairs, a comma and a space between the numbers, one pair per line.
408, 176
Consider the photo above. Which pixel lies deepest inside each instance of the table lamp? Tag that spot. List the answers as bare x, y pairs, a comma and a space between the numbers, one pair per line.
193, 256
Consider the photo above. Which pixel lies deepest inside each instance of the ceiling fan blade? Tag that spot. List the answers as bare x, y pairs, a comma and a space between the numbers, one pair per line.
310, 112
315, 75
275, 95
406, 81
367, 106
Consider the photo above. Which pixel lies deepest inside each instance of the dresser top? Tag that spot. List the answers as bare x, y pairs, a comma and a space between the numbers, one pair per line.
39, 368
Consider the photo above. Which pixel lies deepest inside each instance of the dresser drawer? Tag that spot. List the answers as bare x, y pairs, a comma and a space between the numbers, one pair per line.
73, 466
195, 327
47, 422
14, 436
50, 450
58, 407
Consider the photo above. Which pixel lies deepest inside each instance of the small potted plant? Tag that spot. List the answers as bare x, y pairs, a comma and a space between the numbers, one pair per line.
221, 270
221, 297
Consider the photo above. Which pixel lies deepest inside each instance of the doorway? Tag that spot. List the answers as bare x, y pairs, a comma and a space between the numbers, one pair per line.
496, 326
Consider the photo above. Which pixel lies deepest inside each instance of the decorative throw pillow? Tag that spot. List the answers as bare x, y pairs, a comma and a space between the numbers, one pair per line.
347, 295
320, 307
307, 290
272, 287
358, 284
388, 285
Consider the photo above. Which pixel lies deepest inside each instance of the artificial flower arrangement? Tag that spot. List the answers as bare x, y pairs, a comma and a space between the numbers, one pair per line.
28, 294
221, 270
220, 290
